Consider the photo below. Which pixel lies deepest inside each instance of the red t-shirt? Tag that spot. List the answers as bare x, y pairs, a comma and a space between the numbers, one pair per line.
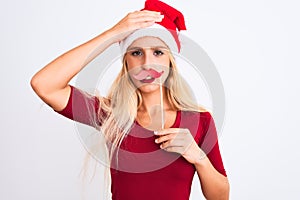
144, 171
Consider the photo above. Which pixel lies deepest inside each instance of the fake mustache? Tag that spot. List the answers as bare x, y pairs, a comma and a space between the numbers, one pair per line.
145, 73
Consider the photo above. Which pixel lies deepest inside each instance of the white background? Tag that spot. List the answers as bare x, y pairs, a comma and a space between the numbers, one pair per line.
254, 45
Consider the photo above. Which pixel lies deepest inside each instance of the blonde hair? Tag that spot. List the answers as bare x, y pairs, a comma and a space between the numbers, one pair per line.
120, 114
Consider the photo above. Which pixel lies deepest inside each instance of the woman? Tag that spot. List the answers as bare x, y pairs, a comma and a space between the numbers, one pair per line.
143, 165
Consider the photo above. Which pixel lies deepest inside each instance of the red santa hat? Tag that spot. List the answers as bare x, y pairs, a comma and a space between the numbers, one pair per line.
167, 30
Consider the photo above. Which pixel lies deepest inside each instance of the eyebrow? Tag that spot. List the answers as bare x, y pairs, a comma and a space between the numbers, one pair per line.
155, 47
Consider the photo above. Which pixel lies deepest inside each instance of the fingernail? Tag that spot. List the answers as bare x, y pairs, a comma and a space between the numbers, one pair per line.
155, 132
156, 141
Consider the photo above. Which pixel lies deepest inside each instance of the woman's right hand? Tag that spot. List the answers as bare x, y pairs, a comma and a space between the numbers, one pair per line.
133, 21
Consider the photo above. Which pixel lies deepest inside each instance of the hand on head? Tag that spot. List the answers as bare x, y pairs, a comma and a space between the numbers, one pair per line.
133, 21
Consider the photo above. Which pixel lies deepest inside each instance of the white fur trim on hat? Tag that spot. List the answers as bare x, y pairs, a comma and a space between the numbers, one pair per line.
155, 30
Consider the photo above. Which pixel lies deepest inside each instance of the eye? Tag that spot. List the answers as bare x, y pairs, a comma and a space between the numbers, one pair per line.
137, 53
158, 52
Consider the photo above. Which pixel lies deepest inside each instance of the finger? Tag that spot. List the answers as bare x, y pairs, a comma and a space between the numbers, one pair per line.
146, 16
169, 131
173, 143
145, 13
145, 19
173, 136
164, 145
165, 138
141, 22
170, 143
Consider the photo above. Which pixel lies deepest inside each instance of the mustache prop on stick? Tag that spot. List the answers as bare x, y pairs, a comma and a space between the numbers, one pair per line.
145, 73
153, 74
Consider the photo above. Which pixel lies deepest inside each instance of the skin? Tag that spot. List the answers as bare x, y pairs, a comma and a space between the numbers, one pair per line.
56, 91
144, 54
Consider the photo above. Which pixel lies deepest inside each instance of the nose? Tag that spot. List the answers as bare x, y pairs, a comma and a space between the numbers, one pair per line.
148, 59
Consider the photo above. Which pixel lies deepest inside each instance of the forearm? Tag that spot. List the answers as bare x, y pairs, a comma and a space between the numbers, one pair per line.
58, 73
214, 185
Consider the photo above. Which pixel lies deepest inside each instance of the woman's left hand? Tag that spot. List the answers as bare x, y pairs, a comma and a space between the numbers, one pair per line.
181, 141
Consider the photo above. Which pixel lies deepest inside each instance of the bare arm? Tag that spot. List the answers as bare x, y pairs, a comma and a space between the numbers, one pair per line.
51, 82
214, 185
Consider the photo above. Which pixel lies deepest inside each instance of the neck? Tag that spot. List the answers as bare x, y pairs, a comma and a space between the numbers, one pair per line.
154, 99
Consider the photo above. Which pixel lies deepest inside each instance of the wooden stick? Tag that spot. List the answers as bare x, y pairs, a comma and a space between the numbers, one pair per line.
161, 105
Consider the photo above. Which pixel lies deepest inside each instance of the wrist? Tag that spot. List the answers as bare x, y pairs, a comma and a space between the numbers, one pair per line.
201, 159
116, 34
111, 36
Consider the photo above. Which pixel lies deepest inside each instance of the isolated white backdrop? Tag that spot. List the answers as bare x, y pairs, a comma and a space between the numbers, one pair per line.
254, 45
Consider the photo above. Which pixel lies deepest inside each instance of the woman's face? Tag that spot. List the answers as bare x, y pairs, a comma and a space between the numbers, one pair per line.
148, 63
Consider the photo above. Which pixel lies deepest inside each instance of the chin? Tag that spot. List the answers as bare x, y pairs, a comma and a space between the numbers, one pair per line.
149, 88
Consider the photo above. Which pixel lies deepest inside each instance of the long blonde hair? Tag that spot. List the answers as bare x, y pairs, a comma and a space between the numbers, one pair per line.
123, 101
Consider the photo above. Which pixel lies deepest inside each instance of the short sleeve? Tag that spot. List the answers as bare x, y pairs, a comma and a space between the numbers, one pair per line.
81, 107
209, 143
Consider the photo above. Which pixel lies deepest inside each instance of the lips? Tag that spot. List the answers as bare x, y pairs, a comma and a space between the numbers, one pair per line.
145, 73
